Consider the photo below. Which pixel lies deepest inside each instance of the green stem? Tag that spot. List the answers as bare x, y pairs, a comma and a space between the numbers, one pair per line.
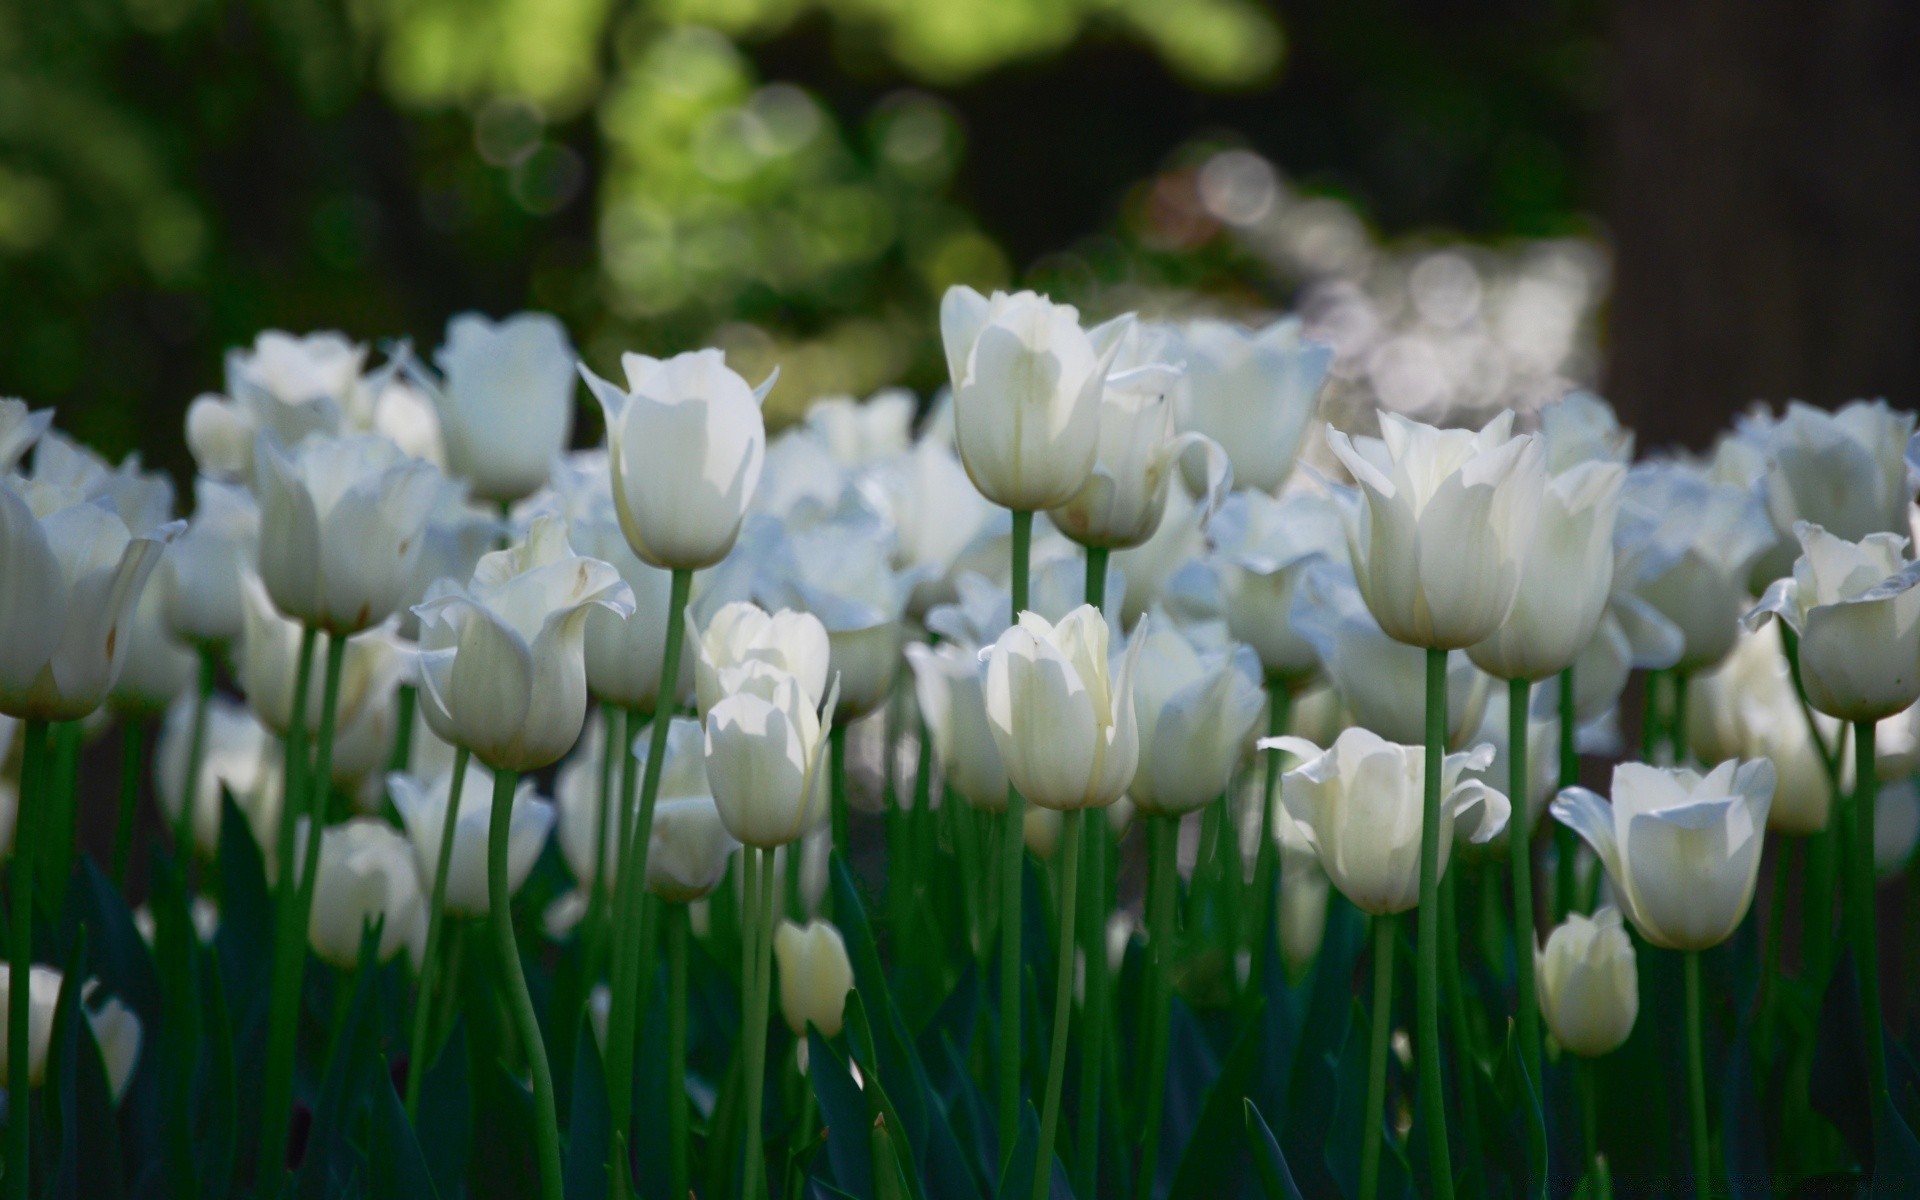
1584, 1075
132, 751
1096, 587
1433, 1094
1566, 845
678, 1173
1461, 1030
754, 1035
1162, 840
289, 942
500, 913
1012, 844
1865, 934
1093, 1038
1677, 737
1697, 1081
1650, 726
1070, 839
1372, 1142
196, 750
837, 782
320, 784
623, 1016
33, 797
436, 926
407, 699
1520, 845
1266, 869
611, 726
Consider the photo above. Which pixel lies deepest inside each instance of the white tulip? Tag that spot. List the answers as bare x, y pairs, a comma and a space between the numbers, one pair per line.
238, 757
143, 500
1856, 607
1304, 890
936, 515
1255, 392
1040, 830
1027, 381
502, 664
1588, 984
689, 845
741, 633
199, 579
267, 666
765, 750
115, 1029
71, 573
365, 873
1566, 577
1687, 544
859, 434
1359, 804
625, 655
422, 805
1681, 850
43, 995
1580, 427
457, 534
506, 406
576, 803
1196, 712
1747, 708
686, 444
949, 683
842, 572
158, 668
293, 387
1632, 635
391, 406
1261, 549
815, 976
1448, 516
1064, 722
1151, 567
341, 524
20, 428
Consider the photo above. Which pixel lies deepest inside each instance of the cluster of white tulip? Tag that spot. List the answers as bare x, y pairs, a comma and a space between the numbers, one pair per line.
1107, 579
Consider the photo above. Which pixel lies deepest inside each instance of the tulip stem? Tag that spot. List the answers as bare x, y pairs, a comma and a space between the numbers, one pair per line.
1374, 1113
33, 797
320, 784
1266, 869
1566, 844
289, 944
500, 913
1093, 1038
1012, 846
1163, 836
1860, 883
1520, 846
436, 926
611, 718
1096, 592
759, 949
1465, 1058
837, 783
407, 698
678, 1175
1070, 839
132, 750
1697, 1081
1584, 1074
196, 750
1433, 1094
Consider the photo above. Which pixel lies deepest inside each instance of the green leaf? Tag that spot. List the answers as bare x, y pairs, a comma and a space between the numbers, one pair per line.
588, 1137
502, 1166
1346, 1140
1520, 1102
353, 1069
244, 942
219, 1088
1276, 1181
446, 1114
78, 1100
1896, 1170
395, 1165
844, 1112
1217, 1161
880, 1105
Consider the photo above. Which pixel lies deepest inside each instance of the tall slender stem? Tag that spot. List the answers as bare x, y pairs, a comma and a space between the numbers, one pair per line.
1566, 844
406, 699
1520, 845
1070, 839
754, 1035
546, 1120
1372, 1142
1433, 1093
196, 750
837, 785
1266, 869
1651, 729
320, 783
1012, 845
132, 752
1697, 1081
1583, 1073
1163, 834
677, 1170
1093, 900
436, 925
1461, 1030
33, 798
1864, 932
611, 728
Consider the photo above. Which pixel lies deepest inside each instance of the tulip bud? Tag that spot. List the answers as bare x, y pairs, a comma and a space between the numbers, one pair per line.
949, 685
1681, 850
422, 806
238, 757
686, 444
1065, 727
1027, 382
115, 1029
199, 578
506, 407
365, 873
501, 663
1448, 516
292, 387
1588, 986
268, 667
815, 976
1195, 713
1747, 708
1856, 607
765, 749
1359, 805
625, 654
689, 845
158, 668
1253, 391
741, 633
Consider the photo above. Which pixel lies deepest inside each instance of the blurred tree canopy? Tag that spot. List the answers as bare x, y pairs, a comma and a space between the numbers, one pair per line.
797, 180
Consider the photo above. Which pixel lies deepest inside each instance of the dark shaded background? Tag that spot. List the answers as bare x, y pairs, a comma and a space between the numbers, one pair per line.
178, 174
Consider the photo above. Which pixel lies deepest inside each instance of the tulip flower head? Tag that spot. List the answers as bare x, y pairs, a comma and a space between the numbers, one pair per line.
685, 444
1747, 708
1064, 721
741, 633
841, 571
766, 750
238, 757
422, 805
506, 406
815, 976
1447, 517
365, 875
502, 664
199, 579
291, 387
267, 666
1196, 710
1262, 548
689, 844
1253, 391
1358, 804
1682, 850
20, 428
115, 1028
950, 683
1687, 544
1588, 984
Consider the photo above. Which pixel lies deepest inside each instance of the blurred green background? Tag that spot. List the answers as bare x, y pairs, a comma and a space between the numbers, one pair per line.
797, 180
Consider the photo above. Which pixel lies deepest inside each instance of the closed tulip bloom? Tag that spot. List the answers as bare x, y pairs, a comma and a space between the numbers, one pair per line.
815, 976
741, 633
1566, 577
1839, 470
506, 406
1027, 381
115, 1029
625, 654
1448, 515
1682, 850
457, 534
267, 666
1588, 985
841, 571
292, 387
1856, 607
422, 805
236, 758
576, 804
502, 664
365, 874
1688, 543
1580, 427
689, 845
1255, 392
949, 683
1261, 550
765, 749
859, 433
341, 521
1747, 708
686, 444
936, 514
1304, 889
20, 428
1196, 712
158, 668
1064, 721
71, 573
1358, 804
199, 579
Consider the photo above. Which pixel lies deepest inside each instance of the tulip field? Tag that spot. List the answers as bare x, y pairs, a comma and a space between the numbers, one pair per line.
1119, 774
